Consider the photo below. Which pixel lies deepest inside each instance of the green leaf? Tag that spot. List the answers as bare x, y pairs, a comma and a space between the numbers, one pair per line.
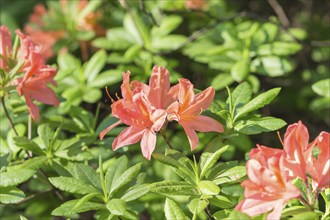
131, 28
173, 210
233, 174
92, 95
272, 66
167, 25
135, 192
241, 70
45, 133
170, 187
106, 78
22, 217
211, 161
236, 215
306, 216
114, 171
67, 208
221, 201
126, 177
300, 184
11, 194
87, 175
220, 215
197, 205
208, 188
28, 145
95, 65
33, 163
293, 211
15, 177
166, 160
86, 198
258, 102
171, 42
116, 206
221, 81
279, 48
241, 95
259, 125
322, 87
66, 61
72, 185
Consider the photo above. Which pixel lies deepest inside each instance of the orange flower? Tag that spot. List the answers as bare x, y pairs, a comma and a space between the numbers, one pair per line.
268, 187
143, 119
5, 47
187, 111
319, 166
195, 4
36, 75
297, 148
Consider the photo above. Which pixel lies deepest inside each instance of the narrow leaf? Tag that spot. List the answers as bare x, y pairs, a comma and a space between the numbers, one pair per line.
166, 160
231, 175
212, 160
208, 188
135, 192
67, 208
114, 171
11, 194
72, 185
116, 206
258, 102
95, 65
15, 177
126, 177
87, 175
197, 205
28, 145
169, 187
173, 210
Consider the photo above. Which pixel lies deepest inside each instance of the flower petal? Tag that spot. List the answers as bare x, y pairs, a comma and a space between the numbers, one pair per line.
148, 143
203, 124
192, 136
103, 133
33, 108
159, 83
201, 102
130, 135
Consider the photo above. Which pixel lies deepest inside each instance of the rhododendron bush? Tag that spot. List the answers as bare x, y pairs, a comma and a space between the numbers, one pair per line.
185, 109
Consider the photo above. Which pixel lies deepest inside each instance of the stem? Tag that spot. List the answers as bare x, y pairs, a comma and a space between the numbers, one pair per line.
208, 212
8, 116
31, 197
163, 134
29, 127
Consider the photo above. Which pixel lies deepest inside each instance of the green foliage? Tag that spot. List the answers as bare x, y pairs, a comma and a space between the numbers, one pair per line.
263, 71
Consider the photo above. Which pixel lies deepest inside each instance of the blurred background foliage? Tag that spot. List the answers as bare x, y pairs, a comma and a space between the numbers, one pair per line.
219, 43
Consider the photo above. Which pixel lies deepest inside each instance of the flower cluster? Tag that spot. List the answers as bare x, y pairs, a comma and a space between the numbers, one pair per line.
24, 68
271, 171
47, 27
147, 108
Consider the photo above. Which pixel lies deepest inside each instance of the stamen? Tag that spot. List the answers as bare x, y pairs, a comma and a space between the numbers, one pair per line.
279, 137
117, 96
112, 100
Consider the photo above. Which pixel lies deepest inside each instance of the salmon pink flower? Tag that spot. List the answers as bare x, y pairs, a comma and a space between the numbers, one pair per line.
319, 166
268, 187
27, 61
5, 47
143, 119
298, 150
186, 111
161, 93
35, 88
